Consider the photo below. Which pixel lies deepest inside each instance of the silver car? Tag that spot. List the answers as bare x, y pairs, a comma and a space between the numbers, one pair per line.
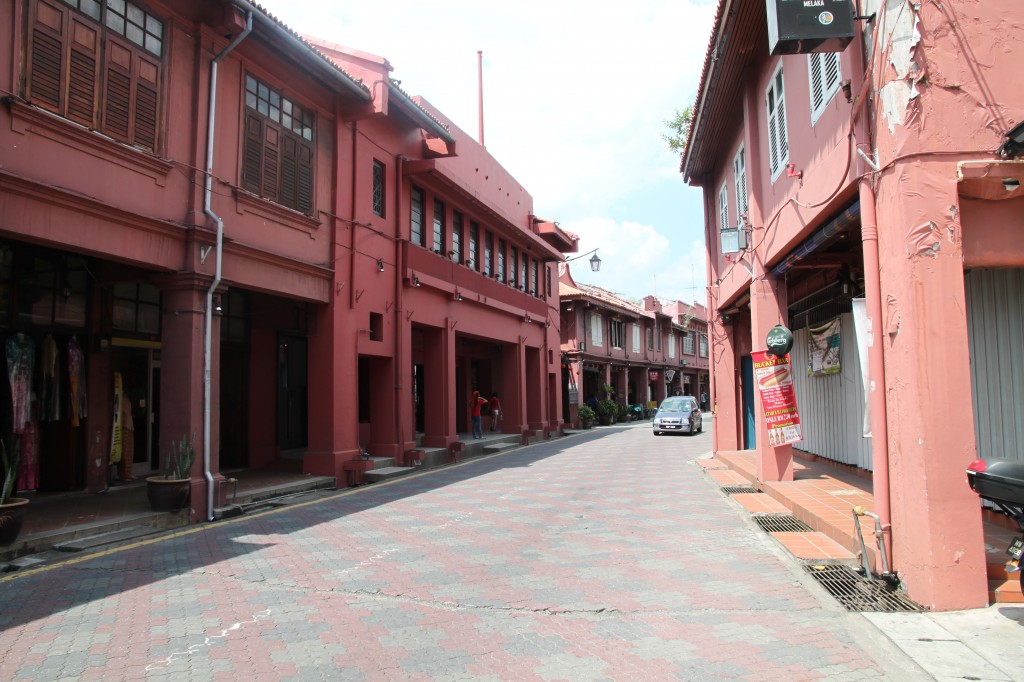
678, 413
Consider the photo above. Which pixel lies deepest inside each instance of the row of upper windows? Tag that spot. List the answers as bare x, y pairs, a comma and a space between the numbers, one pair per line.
478, 248
100, 63
824, 81
617, 339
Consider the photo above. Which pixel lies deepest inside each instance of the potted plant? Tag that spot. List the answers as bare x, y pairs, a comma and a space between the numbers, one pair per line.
587, 416
606, 412
622, 413
170, 490
12, 509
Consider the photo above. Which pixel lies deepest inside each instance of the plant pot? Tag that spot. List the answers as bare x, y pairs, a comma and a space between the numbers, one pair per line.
587, 424
12, 515
168, 494
605, 420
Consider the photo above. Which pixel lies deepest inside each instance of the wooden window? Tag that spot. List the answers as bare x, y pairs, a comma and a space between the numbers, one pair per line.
522, 272
439, 235
99, 65
277, 157
636, 338
778, 142
597, 330
416, 216
723, 209
488, 253
513, 268
534, 277
687, 343
823, 72
703, 346
378, 188
739, 168
456, 237
615, 333
500, 274
474, 236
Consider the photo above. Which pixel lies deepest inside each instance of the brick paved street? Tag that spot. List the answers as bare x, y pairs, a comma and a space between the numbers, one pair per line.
608, 555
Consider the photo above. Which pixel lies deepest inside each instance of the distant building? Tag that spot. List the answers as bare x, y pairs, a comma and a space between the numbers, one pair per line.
644, 350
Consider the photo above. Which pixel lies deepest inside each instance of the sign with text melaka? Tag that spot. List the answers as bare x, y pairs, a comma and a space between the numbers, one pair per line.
774, 379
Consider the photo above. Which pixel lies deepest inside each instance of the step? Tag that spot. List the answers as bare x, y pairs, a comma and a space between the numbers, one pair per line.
117, 536
279, 489
385, 473
1005, 592
497, 447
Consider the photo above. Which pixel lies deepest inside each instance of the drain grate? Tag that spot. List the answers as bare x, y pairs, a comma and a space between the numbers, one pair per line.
738, 489
857, 593
781, 523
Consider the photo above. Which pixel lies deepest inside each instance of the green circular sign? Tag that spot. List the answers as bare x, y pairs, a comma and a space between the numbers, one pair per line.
779, 341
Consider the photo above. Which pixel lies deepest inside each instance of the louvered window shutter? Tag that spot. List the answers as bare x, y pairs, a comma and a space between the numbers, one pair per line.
46, 57
781, 115
773, 134
817, 92
831, 71
271, 161
147, 102
84, 72
117, 100
289, 171
252, 155
306, 179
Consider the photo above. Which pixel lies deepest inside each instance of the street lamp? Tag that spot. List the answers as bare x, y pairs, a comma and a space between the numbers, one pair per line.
595, 261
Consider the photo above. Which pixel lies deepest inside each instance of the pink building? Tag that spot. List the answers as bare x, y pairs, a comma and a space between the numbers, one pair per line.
882, 225
644, 350
267, 245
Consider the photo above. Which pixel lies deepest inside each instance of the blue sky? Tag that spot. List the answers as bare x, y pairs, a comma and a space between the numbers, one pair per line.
575, 96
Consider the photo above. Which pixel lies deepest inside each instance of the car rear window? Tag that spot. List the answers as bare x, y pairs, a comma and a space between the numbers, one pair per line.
677, 405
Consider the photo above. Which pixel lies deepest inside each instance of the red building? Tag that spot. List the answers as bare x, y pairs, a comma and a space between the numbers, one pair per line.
643, 350
280, 252
868, 198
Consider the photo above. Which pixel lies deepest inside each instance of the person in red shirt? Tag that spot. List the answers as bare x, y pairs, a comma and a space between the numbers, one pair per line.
475, 404
495, 411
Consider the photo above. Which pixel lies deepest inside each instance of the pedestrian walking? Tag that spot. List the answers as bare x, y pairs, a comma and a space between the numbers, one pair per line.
475, 405
495, 411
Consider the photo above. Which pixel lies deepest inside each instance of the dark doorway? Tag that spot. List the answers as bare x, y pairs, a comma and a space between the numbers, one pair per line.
418, 387
292, 393
749, 432
234, 406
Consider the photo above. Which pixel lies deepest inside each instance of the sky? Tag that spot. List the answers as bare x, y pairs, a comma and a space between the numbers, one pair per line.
575, 99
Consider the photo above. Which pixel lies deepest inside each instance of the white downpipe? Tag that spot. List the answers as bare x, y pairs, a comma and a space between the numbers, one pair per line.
207, 196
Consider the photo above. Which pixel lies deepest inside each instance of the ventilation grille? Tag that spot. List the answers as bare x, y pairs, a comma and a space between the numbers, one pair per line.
738, 489
856, 593
781, 523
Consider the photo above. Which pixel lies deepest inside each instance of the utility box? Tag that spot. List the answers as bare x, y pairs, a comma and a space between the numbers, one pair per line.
805, 26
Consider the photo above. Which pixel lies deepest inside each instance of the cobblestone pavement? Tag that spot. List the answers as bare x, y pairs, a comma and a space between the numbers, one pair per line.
608, 555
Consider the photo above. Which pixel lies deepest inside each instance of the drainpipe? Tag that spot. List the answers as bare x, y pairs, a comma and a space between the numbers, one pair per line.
398, 363
207, 197
876, 366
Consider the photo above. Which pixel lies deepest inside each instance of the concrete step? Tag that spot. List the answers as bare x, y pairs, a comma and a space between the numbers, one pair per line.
497, 447
103, 539
282, 488
1005, 592
385, 473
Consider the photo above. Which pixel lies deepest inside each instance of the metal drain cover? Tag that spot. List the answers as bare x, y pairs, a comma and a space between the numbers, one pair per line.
738, 489
857, 593
781, 523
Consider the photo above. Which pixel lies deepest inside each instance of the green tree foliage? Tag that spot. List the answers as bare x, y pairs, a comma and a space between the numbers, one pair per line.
679, 129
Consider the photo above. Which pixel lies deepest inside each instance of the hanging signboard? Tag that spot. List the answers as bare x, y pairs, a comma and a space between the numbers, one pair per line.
652, 375
805, 26
774, 378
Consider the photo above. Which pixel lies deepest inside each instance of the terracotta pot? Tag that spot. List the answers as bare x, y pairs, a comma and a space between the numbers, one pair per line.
588, 424
168, 494
12, 515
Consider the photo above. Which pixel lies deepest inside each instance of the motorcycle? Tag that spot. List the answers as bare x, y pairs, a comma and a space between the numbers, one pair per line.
1001, 482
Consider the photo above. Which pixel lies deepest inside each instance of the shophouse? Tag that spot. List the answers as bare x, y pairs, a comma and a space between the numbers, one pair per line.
447, 287
642, 350
865, 196
207, 221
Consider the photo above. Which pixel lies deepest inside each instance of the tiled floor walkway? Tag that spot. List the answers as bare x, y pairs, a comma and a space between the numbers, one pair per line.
823, 496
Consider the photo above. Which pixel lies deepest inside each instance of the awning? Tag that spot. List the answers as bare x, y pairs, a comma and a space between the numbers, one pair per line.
824, 233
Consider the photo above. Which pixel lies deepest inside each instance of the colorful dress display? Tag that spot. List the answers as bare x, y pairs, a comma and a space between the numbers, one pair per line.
76, 382
20, 362
49, 400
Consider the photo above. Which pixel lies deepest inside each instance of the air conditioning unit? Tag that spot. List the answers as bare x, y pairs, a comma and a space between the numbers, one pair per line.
734, 240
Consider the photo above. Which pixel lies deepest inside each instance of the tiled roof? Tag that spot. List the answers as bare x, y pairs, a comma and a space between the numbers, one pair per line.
396, 84
312, 48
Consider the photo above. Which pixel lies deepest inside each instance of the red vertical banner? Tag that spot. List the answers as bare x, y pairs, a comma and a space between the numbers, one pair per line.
774, 378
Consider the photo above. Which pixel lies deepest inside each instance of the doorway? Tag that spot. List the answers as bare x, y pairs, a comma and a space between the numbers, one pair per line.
292, 392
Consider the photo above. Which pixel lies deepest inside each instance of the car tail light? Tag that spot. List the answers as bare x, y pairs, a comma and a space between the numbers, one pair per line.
977, 466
